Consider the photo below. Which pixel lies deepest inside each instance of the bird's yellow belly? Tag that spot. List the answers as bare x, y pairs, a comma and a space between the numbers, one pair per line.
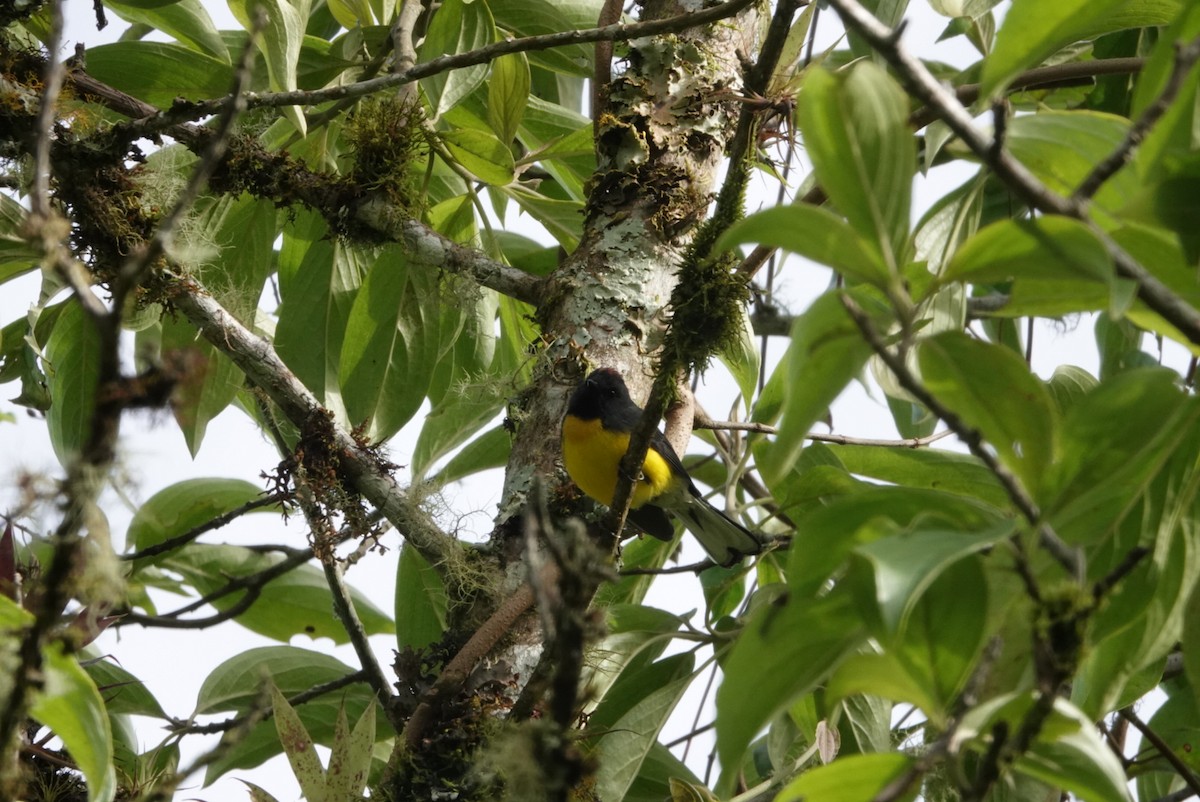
592, 456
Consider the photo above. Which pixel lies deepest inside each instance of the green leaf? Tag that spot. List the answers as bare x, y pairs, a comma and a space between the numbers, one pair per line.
235, 685
157, 72
1078, 759
73, 370
185, 505
186, 20
391, 345
625, 743
280, 43
931, 468
508, 94
456, 27
1068, 385
826, 537
992, 390
1033, 30
17, 256
1173, 135
299, 748
123, 692
421, 601
856, 133
12, 615
1062, 147
826, 352
208, 386
854, 778
562, 218
351, 14
812, 232
1112, 441
298, 602
319, 278
664, 776
885, 675
69, 704
489, 450
945, 631
907, 563
482, 154
534, 17
743, 359
783, 652
1044, 248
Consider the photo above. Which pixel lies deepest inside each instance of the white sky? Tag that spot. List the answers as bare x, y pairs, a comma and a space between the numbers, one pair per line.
173, 664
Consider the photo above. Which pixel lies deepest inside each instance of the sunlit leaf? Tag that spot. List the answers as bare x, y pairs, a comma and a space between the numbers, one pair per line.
856, 133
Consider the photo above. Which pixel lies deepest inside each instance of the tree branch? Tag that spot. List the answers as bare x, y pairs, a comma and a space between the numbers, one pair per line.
1156, 295
1185, 59
251, 583
1163, 748
316, 190
1066, 556
182, 727
483, 55
208, 526
358, 466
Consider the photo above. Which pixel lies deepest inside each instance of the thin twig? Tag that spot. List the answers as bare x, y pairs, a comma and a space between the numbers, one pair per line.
343, 607
251, 583
358, 466
911, 442
484, 55
1066, 556
208, 526
705, 422
1056, 75
182, 727
1185, 59
1164, 749
691, 568
1015, 175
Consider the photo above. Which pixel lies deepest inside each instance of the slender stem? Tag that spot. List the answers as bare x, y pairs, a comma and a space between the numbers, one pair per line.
1185, 59
1015, 175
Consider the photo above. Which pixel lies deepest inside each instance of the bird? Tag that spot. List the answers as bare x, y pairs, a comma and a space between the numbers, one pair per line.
595, 436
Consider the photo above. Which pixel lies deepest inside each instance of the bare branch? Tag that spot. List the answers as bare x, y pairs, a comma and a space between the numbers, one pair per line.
911, 442
484, 55
52, 81
187, 728
252, 584
1056, 75
1156, 295
1066, 556
1164, 749
425, 246
359, 467
1185, 59
208, 526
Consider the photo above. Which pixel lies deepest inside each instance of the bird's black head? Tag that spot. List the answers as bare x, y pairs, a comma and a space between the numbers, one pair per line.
602, 395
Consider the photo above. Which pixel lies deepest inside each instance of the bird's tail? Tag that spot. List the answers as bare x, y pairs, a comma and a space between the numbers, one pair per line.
725, 540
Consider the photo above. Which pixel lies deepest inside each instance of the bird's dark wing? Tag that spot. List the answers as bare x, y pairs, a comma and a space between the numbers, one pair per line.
653, 520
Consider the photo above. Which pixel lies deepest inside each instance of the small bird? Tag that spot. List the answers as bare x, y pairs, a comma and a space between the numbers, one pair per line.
595, 436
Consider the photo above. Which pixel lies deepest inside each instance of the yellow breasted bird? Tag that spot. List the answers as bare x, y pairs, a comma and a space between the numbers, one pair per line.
595, 436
